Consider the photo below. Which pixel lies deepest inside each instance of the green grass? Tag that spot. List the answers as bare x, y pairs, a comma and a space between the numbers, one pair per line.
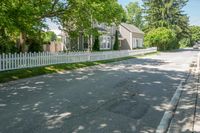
31, 72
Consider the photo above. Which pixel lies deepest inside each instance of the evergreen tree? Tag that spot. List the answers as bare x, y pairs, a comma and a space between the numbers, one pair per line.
116, 44
168, 14
96, 46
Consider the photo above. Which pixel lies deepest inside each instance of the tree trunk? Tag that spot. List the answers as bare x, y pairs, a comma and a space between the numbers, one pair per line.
22, 40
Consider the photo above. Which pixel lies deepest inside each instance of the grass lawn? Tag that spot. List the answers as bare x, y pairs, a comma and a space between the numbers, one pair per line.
30, 72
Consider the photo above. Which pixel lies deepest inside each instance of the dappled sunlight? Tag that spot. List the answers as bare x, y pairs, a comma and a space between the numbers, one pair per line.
54, 121
103, 125
2, 105
82, 78
78, 129
92, 98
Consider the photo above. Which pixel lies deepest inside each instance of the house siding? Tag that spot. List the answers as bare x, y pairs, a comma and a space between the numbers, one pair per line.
126, 35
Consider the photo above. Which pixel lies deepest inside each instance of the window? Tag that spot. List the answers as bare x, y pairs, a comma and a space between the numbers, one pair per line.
137, 42
105, 42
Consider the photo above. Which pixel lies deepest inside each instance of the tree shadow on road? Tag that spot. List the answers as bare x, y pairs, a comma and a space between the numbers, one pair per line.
123, 97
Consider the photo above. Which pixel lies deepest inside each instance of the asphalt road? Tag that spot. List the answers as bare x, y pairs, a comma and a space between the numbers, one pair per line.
122, 97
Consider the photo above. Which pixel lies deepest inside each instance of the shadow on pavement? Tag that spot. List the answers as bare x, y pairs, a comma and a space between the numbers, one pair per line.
122, 97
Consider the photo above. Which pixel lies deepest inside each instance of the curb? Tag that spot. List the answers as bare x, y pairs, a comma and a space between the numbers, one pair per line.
164, 123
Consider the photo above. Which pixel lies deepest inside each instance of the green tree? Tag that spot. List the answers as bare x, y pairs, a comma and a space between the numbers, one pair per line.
116, 44
81, 15
162, 38
96, 46
34, 45
195, 33
20, 19
49, 36
169, 14
134, 14
24, 19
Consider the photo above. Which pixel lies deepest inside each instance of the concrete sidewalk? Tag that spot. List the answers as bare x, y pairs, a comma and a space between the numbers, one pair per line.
187, 115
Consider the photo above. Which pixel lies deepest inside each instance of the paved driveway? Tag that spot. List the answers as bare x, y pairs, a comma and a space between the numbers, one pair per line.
121, 97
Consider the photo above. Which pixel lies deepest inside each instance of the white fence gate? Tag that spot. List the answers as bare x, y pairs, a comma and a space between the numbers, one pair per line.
27, 60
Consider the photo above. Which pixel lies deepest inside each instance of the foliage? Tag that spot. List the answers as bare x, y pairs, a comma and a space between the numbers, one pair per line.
162, 38
195, 33
81, 15
34, 45
49, 36
96, 46
134, 14
7, 47
20, 19
116, 44
167, 14
185, 42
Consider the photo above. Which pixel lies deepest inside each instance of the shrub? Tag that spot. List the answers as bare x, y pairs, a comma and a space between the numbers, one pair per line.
116, 44
34, 45
162, 38
96, 46
185, 42
195, 34
7, 46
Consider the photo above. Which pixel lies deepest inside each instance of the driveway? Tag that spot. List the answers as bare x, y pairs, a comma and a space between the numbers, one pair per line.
122, 97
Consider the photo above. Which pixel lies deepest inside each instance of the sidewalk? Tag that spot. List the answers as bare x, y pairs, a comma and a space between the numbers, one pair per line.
187, 115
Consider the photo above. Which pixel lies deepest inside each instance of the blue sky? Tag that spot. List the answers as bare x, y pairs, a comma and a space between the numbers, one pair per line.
192, 9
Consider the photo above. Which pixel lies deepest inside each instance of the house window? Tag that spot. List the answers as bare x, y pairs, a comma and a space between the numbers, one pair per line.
137, 42
105, 42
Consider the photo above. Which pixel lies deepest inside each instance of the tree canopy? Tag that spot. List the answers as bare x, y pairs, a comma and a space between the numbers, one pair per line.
161, 37
134, 14
195, 33
168, 14
21, 19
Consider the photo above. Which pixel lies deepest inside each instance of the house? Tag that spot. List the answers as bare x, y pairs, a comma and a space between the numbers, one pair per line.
130, 37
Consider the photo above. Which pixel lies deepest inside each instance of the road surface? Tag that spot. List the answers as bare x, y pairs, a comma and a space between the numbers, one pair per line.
122, 97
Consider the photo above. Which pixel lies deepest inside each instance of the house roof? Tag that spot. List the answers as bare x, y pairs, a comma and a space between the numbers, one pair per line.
132, 28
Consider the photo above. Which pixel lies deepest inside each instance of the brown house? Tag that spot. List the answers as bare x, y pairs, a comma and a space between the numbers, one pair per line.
130, 36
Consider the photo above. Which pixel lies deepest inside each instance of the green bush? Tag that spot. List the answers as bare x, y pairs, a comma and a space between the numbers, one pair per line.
34, 45
195, 34
96, 46
7, 46
116, 44
48, 36
185, 42
162, 38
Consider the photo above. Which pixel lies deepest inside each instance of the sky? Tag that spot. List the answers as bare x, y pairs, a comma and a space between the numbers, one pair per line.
192, 9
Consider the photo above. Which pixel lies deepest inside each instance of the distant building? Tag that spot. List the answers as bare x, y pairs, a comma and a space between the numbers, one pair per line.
130, 37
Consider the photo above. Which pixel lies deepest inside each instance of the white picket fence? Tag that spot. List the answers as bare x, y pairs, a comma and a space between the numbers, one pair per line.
28, 60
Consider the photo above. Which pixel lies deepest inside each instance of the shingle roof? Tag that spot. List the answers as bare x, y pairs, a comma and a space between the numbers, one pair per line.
132, 28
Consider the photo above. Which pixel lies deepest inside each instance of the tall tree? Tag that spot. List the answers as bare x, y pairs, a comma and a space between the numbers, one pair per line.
169, 14
134, 14
23, 18
20, 19
195, 33
81, 14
